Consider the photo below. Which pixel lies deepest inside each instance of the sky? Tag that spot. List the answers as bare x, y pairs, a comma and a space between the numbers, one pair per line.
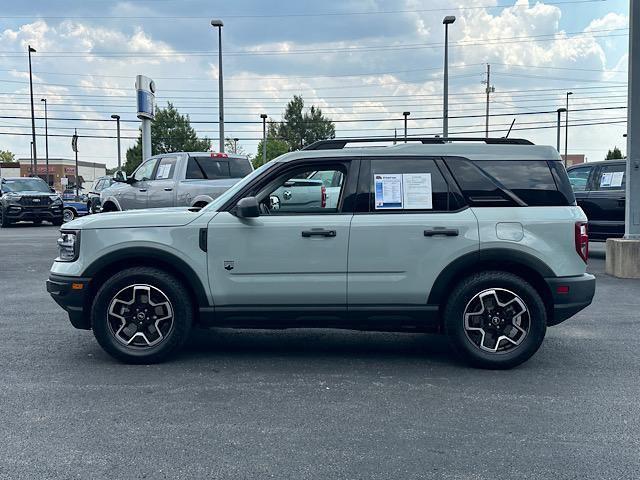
364, 62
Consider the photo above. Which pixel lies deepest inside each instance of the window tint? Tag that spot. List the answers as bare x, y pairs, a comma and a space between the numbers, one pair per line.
478, 189
166, 168
611, 177
297, 192
579, 177
213, 168
145, 171
529, 180
405, 193
239, 167
194, 171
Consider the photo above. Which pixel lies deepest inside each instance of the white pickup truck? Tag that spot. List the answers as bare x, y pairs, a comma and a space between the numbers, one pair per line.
185, 179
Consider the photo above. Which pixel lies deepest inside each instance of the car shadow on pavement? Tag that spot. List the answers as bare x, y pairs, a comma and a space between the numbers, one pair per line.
316, 343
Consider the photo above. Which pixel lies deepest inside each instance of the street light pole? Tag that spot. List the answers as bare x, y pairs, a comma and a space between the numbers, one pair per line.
235, 145
219, 24
33, 117
448, 20
406, 114
46, 136
566, 130
263, 116
560, 110
117, 119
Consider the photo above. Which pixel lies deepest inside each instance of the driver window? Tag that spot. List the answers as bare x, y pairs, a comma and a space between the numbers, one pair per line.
304, 191
145, 171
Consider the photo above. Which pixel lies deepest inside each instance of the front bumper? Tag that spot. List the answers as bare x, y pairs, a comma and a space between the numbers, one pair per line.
18, 213
570, 295
72, 294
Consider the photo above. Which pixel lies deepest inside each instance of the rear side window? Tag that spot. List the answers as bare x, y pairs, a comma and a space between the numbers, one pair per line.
406, 179
492, 183
611, 177
207, 168
239, 167
579, 178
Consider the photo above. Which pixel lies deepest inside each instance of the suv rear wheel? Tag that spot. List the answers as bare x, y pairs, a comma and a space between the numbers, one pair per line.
495, 320
142, 315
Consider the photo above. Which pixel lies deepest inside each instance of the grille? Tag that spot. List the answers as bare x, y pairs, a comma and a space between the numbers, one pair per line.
35, 201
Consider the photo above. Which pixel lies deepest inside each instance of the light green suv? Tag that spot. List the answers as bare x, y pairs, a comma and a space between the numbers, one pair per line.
478, 239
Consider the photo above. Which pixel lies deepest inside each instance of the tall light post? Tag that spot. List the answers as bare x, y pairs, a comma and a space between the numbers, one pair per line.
117, 119
46, 136
560, 110
235, 145
216, 23
405, 114
30, 49
263, 116
448, 20
566, 130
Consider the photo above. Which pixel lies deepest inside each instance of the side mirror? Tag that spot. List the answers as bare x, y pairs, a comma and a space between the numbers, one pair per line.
248, 208
120, 176
52, 190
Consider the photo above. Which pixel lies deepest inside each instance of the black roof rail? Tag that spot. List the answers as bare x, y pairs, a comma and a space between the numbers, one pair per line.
340, 143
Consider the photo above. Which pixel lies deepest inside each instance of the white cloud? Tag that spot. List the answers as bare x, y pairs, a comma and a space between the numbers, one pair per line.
609, 22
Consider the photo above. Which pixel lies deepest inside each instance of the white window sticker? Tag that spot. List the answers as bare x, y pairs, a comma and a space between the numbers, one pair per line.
388, 188
163, 171
617, 178
605, 181
408, 191
416, 188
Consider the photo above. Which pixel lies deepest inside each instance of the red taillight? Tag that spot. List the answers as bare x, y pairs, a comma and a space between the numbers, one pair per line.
582, 240
219, 155
323, 195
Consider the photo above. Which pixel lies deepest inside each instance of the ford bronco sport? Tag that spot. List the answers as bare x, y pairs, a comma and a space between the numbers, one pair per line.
478, 239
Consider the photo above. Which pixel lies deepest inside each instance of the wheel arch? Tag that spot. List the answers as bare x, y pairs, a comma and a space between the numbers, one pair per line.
519, 263
114, 202
113, 262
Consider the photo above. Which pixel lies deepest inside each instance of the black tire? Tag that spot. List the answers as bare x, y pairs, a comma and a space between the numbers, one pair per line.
181, 307
4, 221
57, 221
69, 214
462, 339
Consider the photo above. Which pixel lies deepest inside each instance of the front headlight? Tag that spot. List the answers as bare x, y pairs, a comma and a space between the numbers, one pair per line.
14, 198
68, 246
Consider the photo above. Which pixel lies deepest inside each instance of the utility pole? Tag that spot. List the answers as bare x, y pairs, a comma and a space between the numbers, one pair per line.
406, 114
74, 146
263, 116
216, 23
490, 89
448, 20
33, 116
566, 131
623, 253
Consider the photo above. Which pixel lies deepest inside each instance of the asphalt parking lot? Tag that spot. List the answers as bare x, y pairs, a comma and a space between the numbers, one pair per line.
311, 404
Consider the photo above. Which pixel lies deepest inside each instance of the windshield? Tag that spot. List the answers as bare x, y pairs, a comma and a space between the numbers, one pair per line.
221, 200
25, 185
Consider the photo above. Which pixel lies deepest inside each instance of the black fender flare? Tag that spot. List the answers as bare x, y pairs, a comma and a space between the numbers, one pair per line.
152, 257
509, 258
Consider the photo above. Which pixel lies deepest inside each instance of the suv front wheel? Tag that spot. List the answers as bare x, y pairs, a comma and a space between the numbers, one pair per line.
495, 320
142, 315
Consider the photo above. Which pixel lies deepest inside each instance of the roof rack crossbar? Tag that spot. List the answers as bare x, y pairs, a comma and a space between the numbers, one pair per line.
340, 143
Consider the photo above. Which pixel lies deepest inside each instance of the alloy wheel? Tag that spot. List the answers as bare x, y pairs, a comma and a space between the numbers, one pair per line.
496, 320
140, 316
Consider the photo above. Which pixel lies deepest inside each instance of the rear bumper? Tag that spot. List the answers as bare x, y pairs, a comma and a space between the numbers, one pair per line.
72, 294
570, 295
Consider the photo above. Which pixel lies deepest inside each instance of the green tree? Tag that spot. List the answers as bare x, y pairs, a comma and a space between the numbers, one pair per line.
230, 146
275, 145
300, 128
614, 154
170, 132
7, 157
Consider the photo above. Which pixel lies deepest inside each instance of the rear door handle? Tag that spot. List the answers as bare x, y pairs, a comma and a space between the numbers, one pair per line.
318, 232
168, 189
446, 232
143, 189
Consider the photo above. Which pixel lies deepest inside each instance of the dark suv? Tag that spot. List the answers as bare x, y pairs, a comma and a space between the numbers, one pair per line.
599, 188
25, 198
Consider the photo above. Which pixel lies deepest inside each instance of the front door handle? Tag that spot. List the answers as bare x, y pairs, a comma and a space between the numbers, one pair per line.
446, 232
318, 232
168, 189
143, 189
